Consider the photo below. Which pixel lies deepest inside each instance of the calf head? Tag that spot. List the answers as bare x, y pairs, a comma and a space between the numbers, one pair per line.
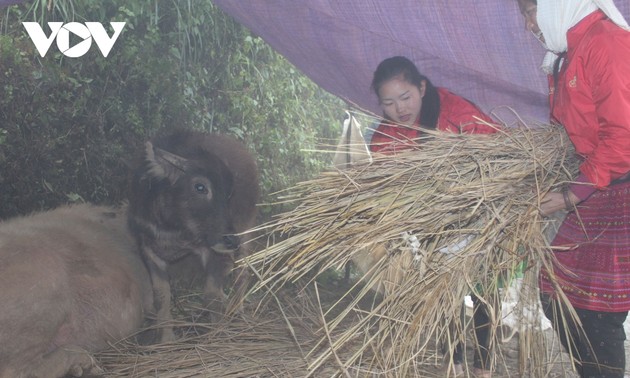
188, 202
179, 206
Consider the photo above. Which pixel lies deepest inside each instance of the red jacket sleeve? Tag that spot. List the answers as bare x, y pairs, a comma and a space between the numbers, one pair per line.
608, 70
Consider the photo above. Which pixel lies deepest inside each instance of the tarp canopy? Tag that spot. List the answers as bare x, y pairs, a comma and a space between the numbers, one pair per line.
478, 49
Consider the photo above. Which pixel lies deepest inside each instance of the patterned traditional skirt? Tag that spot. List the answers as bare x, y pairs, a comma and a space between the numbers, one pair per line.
593, 269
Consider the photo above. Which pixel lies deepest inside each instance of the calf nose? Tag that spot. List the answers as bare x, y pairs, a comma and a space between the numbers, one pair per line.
231, 241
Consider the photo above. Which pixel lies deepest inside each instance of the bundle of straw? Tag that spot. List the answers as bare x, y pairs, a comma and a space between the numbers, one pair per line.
457, 215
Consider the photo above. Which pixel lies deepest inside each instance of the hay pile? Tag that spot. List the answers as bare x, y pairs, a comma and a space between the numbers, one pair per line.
456, 217
241, 346
268, 339
459, 215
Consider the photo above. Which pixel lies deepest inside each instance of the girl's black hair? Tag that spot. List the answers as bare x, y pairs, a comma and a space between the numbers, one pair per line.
399, 65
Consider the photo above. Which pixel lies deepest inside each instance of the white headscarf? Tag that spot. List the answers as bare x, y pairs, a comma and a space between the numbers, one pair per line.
556, 17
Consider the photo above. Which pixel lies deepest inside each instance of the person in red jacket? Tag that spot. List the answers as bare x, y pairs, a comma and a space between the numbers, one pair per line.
411, 103
590, 97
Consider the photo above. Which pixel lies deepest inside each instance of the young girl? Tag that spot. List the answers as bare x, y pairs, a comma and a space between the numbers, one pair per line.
410, 102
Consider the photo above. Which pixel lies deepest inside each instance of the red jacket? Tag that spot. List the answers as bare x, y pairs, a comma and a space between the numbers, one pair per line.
592, 100
456, 116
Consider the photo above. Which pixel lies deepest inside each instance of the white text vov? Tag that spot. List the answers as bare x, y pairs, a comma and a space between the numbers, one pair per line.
61, 32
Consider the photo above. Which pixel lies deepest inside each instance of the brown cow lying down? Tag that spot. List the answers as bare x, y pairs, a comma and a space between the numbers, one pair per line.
193, 194
71, 281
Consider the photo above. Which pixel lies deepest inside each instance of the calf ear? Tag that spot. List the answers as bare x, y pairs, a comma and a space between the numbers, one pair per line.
163, 164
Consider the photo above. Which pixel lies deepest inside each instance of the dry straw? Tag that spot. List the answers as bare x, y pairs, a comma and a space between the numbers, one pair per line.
471, 202
455, 216
235, 347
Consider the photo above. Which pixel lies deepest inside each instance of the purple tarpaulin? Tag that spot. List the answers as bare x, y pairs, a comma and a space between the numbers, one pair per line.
478, 49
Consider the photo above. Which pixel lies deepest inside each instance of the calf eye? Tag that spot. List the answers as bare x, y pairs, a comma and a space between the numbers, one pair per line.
201, 188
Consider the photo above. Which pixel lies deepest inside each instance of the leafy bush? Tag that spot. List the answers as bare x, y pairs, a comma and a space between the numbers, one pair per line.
68, 126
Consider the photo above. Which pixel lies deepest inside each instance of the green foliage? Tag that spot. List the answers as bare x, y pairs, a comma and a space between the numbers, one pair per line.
281, 113
70, 126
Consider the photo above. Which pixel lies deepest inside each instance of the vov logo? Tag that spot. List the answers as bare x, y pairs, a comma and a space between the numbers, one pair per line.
61, 32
